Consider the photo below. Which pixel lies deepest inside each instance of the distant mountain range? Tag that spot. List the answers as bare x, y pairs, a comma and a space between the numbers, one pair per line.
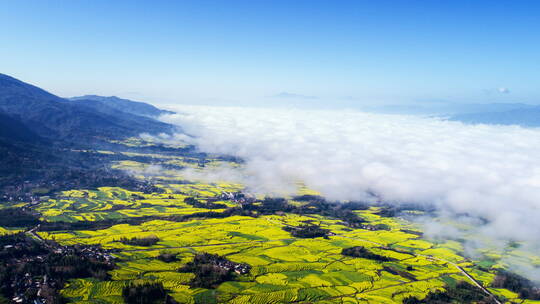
56, 118
41, 133
520, 114
447, 108
124, 105
526, 117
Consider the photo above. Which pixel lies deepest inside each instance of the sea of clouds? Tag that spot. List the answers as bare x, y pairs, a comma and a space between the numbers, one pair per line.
489, 172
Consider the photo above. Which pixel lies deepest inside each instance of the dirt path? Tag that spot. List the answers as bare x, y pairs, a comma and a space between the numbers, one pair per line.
33, 234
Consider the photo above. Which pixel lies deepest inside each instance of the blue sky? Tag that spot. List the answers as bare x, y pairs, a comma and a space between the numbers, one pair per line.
252, 52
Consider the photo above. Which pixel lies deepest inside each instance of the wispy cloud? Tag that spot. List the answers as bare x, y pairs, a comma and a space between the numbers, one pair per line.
494, 91
503, 90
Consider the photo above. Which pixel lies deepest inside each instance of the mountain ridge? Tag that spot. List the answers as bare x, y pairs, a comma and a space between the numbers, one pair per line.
57, 118
122, 104
526, 117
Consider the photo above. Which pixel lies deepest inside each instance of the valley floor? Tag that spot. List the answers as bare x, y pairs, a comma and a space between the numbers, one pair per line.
187, 217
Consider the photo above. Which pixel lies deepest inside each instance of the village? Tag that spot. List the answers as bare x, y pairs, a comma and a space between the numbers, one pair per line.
34, 270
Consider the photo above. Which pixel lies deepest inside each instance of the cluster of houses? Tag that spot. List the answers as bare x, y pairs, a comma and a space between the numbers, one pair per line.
42, 286
237, 197
45, 287
88, 251
20, 193
20, 284
239, 268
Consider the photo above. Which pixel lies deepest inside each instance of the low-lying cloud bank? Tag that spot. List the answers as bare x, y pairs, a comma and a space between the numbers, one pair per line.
491, 172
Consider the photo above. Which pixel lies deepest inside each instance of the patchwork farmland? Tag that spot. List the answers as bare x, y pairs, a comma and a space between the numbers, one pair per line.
296, 249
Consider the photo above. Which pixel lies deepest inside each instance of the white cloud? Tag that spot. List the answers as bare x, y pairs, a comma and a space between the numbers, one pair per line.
503, 90
488, 171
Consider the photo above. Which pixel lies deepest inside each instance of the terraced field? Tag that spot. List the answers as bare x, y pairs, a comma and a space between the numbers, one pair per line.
4, 231
116, 203
283, 268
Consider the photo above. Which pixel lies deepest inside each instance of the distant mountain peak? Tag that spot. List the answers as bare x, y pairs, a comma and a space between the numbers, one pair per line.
95, 97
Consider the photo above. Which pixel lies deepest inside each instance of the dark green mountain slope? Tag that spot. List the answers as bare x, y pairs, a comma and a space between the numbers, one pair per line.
53, 117
124, 105
143, 123
12, 130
